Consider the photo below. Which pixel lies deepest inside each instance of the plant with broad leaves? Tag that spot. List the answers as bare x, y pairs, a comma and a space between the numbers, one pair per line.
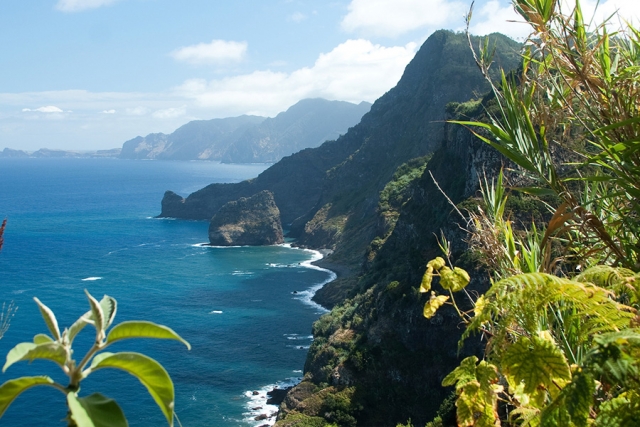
559, 351
95, 410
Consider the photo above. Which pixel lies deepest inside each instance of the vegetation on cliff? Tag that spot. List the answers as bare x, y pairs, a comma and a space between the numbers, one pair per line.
561, 351
561, 319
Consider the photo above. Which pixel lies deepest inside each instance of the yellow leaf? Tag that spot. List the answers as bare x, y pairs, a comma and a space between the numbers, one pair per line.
436, 263
434, 303
425, 286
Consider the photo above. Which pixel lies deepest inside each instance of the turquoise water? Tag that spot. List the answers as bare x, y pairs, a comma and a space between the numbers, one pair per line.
76, 224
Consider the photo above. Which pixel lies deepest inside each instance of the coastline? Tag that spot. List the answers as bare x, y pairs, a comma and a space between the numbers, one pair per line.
263, 404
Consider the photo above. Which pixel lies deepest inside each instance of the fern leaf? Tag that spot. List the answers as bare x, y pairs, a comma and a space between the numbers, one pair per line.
535, 362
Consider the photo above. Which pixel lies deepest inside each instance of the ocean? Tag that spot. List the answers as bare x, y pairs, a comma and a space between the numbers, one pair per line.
76, 224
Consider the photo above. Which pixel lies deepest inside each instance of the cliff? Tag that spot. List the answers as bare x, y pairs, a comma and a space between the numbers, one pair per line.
251, 221
375, 353
369, 197
328, 195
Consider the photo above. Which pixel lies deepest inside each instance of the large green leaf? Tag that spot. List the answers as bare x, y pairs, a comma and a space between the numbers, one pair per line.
150, 373
535, 362
49, 319
143, 329
12, 389
95, 411
52, 351
463, 374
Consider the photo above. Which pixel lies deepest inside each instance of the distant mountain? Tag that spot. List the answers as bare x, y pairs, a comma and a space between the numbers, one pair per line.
306, 124
251, 139
47, 153
197, 140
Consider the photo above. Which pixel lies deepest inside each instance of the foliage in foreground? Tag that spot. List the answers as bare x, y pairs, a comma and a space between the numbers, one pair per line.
95, 410
560, 350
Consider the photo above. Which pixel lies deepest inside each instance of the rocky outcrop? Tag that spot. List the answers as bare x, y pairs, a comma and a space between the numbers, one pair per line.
250, 221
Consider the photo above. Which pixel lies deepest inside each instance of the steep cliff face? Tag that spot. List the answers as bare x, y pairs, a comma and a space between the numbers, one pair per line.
405, 123
251, 221
377, 344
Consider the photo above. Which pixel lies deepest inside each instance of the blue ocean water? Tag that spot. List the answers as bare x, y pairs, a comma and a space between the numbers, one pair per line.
76, 224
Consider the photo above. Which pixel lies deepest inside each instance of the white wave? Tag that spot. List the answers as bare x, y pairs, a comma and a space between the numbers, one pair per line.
257, 403
298, 337
91, 279
241, 273
215, 312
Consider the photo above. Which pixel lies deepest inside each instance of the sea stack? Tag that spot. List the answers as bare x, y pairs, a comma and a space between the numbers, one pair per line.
253, 221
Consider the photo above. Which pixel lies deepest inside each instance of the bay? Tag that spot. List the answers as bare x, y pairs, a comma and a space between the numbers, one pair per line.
76, 224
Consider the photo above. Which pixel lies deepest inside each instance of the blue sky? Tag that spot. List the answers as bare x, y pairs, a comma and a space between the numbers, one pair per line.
90, 74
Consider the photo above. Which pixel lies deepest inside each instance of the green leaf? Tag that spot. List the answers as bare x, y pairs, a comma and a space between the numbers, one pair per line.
96, 312
78, 325
535, 362
42, 339
12, 389
149, 372
579, 398
49, 319
109, 307
623, 410
461, 375
454, 280
52, 351
95, 411
143, 329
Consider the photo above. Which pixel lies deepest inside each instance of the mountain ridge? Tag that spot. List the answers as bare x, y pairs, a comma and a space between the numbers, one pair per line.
250, 139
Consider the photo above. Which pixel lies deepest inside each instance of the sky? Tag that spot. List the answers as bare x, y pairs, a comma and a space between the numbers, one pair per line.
91, 74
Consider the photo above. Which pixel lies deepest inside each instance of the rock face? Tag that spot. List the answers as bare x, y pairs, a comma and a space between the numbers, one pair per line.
250, 221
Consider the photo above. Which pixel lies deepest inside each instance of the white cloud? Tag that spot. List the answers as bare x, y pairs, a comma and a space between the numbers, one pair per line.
498, 17
297, 17
218, 51
108, 111
356, 70
394, 18
137, 111
79, 5
170, 113
47, 109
